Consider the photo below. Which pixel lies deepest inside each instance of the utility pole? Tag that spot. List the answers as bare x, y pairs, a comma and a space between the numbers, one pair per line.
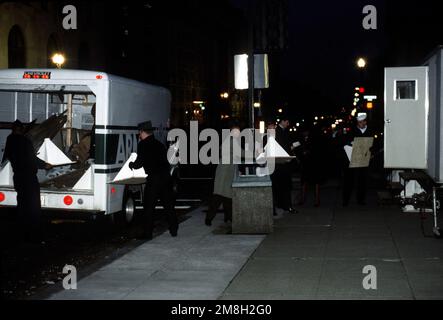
251, 63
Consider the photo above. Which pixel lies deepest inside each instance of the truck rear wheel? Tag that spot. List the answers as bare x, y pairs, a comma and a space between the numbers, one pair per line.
126, 216
129, 209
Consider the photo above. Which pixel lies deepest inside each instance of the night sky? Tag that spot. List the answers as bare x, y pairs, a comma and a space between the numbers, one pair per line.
318, 72
325, 40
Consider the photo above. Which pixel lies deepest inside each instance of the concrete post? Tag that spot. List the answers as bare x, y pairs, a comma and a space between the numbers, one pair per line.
252, 205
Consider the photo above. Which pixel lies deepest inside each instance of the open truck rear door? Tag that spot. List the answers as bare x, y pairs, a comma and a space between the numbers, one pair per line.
406, 118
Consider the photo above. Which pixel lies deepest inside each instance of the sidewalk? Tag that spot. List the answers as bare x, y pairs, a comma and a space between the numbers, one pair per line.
197, 265
317, 254
321, 252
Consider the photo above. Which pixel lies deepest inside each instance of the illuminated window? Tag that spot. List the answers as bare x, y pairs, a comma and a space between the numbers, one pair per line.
52, 47
16, 48
405, 90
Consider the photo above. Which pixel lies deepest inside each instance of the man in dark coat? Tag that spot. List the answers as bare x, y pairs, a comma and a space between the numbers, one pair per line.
312, 157
282, 176
25, 164
356, 175
152, 156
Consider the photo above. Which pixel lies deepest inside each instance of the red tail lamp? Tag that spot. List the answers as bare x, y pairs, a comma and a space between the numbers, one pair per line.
68, 200
2, 197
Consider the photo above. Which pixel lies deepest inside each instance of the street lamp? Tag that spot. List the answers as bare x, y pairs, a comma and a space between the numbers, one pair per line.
224, 95
361, 63
58, 59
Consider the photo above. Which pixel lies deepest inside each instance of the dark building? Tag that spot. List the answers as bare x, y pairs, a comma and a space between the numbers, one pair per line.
265, 31
186, 46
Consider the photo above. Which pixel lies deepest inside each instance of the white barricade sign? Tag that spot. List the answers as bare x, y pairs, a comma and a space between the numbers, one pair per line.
51, 154
129, 176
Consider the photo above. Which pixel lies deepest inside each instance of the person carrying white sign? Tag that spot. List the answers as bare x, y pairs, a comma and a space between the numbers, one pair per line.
358, 150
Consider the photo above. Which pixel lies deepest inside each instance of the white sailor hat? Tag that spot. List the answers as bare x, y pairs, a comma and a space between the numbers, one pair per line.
361, 116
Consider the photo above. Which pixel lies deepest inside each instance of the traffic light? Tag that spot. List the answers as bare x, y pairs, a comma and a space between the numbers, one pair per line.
369, 105
357, 98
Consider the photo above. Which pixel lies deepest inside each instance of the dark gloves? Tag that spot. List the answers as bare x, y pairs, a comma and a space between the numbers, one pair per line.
131, 165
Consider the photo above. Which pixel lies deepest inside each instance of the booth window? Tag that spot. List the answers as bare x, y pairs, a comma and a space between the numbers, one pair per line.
405, 90
16, 48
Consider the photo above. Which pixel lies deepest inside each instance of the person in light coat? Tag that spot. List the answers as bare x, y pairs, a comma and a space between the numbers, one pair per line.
224, 176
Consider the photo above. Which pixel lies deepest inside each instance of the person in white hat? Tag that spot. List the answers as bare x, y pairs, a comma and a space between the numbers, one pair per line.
362, 120
357, 176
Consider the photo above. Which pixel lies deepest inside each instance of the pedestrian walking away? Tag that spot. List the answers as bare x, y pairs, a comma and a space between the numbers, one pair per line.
312, 156
224, 175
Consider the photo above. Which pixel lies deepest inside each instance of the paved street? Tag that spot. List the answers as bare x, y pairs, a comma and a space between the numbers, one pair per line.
30, 269
317, 254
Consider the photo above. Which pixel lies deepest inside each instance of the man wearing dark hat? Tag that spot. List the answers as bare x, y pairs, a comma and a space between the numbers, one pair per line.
25, 164
152, 156
282, 176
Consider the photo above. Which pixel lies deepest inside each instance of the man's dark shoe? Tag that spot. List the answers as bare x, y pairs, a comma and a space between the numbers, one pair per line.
145, 236
292, 210
208, 222
33, 238
173, 233
37, 241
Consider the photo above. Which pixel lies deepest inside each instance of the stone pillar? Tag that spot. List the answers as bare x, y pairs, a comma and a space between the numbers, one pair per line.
252, 205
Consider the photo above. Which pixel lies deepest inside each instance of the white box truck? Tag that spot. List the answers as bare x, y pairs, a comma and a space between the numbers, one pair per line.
413, 132
121, 104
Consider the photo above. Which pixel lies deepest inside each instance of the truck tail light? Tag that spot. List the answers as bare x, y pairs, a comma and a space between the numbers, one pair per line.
2, 197
68, 200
